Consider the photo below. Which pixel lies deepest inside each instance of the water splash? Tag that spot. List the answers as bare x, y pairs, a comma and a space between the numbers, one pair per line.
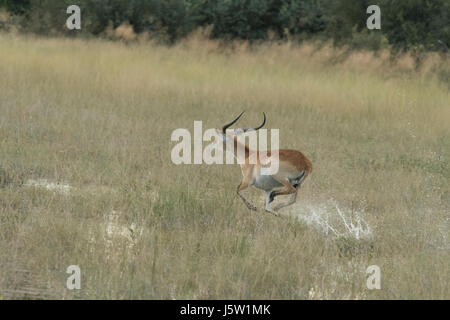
329, 218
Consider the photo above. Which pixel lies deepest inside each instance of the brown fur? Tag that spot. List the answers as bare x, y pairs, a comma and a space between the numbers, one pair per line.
291, 164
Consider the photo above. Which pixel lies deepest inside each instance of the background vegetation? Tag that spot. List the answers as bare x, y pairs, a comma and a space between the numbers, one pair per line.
86, 177
406, 25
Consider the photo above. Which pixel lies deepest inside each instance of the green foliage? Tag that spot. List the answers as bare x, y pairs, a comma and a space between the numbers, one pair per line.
252, 19
15, 6
405, 25
416, 24
343, 18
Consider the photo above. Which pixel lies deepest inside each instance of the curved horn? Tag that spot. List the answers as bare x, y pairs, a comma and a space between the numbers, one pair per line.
225, 127
260, 126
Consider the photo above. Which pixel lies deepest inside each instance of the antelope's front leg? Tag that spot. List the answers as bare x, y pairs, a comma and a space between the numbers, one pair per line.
242, 186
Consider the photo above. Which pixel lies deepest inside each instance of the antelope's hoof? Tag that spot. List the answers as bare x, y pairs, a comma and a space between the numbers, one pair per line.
253, 208
276, 214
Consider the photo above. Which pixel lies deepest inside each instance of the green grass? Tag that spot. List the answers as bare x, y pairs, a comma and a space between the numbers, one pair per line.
98, 116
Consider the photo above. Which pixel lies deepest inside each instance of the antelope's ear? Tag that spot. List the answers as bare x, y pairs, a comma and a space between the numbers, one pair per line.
221, 135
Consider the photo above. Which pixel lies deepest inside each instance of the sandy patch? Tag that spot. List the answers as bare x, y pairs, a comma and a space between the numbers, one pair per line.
48, 185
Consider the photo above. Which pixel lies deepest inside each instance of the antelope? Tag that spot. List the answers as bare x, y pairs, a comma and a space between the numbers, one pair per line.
293, 168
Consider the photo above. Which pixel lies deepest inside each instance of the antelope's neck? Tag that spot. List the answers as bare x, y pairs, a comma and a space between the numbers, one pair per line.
238, 145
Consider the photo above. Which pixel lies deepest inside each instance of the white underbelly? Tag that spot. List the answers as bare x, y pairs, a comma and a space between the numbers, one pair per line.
266, 183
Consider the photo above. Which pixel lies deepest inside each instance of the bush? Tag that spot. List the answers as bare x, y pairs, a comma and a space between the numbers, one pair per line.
416, 24
16, 6
405, 25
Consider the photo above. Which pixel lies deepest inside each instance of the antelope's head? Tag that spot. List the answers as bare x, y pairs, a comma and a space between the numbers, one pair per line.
229, 134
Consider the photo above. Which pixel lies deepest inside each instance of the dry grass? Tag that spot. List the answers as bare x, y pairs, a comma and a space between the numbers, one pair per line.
97, 116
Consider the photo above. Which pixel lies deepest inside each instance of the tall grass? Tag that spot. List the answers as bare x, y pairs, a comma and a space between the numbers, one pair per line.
97, 116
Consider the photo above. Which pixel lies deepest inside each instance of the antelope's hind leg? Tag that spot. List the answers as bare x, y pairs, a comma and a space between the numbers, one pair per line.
291, 200
269, 199
288, 189
295, 186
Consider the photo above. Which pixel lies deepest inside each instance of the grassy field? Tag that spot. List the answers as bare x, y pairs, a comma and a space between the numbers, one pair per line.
86, 176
